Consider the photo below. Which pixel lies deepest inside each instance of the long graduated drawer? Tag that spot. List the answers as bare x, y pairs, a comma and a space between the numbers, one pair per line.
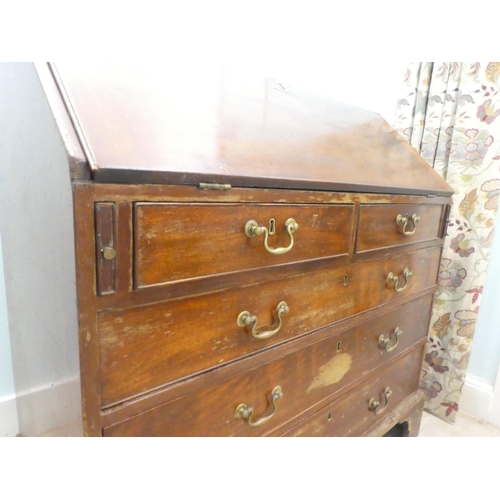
167, 341
277, 393
174, 243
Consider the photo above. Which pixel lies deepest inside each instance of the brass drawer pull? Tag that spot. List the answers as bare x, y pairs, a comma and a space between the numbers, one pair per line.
379, 406
245, 412
384, 342
246, 319
403, 221
392, 278
253, 229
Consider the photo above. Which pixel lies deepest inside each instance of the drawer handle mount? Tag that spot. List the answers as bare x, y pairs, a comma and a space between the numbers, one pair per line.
246, 319
108, 253
392, 278
403, 221
384, 342
246, 413
379, 406
253, 229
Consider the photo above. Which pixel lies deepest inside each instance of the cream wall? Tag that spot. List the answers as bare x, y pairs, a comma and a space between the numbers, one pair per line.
8, 410
36, 225
485, 356
370, 85
6, 376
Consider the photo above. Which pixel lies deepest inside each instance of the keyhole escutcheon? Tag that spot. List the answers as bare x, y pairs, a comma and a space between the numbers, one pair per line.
272, 226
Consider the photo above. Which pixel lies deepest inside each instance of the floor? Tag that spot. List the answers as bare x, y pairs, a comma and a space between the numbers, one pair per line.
464, 426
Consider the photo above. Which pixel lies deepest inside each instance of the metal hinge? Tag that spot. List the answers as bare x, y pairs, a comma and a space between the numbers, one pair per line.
214, 186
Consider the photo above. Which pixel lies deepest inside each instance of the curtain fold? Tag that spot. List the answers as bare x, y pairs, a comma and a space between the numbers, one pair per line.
450, 113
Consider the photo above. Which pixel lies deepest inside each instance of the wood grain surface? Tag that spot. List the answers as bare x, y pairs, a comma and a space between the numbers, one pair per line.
147, 347
377, 227
174, 242
144, 123
350, 415
319, 371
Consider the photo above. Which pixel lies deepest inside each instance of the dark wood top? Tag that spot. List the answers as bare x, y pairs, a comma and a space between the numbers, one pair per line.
153, 124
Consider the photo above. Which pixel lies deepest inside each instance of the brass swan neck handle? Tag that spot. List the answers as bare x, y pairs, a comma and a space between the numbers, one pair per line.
253, 229
246, 412
404, 220
392, 278
379, 406
247, 319
384, 342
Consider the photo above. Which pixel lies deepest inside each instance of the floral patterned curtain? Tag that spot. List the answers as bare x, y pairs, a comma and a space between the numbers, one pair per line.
450, 113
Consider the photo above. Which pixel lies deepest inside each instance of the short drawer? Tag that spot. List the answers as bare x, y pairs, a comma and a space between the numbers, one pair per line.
366, 405
146, 347
384, 226
306, 376
180, 242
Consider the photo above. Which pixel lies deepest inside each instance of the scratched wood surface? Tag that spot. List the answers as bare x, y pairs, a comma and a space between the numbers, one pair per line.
319, 372
378, 228
350, 416
177, 242
170, 340
143, 123
162, 343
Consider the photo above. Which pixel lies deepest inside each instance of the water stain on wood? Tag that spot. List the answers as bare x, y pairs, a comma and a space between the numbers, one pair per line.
332, 372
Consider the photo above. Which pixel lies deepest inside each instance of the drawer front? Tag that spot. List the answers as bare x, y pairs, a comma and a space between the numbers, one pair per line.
355, 413
146, 347
306, 376
383, 226
179, 242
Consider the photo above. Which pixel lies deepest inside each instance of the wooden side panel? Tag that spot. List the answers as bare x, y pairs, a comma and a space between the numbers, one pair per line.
87, 317
319, 372
350, 415
174, 242
378, 227
146, 347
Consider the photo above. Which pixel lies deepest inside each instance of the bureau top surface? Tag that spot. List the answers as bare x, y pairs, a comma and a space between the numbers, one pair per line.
160, 124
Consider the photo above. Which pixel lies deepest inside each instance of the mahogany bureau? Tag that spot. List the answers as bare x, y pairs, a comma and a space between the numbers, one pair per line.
251, 260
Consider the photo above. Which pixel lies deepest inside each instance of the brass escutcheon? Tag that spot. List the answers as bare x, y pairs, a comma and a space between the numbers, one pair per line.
246, 412
404, 220
272, 226
253, 229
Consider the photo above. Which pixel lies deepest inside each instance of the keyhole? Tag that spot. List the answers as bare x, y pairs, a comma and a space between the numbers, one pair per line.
272, 226
329, 416
338, 346
346, 279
